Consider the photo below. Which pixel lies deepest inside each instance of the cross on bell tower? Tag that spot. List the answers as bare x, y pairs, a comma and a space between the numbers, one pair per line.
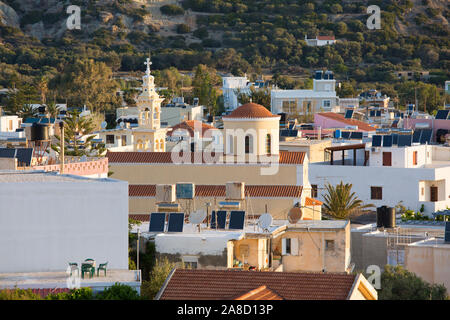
148, 63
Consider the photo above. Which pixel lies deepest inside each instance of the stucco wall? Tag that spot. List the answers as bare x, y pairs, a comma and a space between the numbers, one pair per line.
312, 255
45, 225
430, 263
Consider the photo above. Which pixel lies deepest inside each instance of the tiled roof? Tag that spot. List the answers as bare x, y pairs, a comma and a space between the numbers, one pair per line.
190, 126
312, 202
285, 157
200, 284
261, 293
325, 38
351, 122
263, 191
251, 110
140, 217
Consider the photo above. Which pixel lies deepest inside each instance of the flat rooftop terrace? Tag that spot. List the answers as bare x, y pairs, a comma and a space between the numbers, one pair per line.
58, 279
8, 176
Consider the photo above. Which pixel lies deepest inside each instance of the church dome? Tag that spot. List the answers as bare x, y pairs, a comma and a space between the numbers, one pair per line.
251, 110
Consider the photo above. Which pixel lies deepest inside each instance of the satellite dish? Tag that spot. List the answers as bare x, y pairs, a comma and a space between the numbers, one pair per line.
104, 124
294, 215
265, 221
122, 124
197, 216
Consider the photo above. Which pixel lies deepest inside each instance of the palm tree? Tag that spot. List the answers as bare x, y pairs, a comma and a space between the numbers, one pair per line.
340, 202
78, 136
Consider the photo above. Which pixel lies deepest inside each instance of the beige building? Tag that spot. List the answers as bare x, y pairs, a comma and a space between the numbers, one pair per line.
314, 149
252, 156
430, 260
305, 246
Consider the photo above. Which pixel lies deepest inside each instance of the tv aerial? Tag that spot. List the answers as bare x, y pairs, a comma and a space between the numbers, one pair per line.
294, 215
265, 221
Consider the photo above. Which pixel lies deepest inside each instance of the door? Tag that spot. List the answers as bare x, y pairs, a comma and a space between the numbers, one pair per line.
433, 194
387, 159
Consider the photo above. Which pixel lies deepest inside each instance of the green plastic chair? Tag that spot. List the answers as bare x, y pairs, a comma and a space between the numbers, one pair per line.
102, 266
87, 267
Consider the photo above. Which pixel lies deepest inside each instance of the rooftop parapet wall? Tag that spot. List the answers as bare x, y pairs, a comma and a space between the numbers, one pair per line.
96, 166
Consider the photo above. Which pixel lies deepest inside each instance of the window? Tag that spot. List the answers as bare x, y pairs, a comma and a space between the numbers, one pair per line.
376, 193
288, 106
10, 124
268, 144
110, 139
422, 191
329, 245
248, 144
415, 158
161, 145
326, 103
190, 265
124, 140
288, 246
387, 159
314, 192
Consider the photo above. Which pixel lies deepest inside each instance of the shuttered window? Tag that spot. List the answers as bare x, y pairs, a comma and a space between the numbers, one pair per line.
376, 193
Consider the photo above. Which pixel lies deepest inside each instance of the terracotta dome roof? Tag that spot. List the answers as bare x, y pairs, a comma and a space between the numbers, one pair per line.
251, 110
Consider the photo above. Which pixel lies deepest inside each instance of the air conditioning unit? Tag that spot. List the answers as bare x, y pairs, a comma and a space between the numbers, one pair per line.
165, 193
235, 191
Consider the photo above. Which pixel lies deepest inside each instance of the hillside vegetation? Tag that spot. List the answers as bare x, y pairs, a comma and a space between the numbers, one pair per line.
232, 36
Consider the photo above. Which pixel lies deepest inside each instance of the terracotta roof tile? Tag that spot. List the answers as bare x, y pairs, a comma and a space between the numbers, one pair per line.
256, 191
140, 217
203, 284
261, 293
351, 122
285, 157
250, 110
325, 38
190, 126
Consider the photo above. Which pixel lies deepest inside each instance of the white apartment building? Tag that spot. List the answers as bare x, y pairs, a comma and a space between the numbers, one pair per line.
48, 220
417, 175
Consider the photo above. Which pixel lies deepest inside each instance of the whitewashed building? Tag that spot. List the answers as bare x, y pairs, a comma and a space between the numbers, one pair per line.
48, 220
417, 175
231, 88
320, 41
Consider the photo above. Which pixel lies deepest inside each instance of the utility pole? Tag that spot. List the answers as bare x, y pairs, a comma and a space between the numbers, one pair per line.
61, 149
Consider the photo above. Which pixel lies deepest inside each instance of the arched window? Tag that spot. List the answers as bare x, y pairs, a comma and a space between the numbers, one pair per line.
268, 144
161, 145
248, 144
139, 145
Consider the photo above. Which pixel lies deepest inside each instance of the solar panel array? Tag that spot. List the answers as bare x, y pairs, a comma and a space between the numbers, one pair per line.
442, 115
348, 114
23, 155
219, 220
376, 140
387, 141
158, 222
402, 138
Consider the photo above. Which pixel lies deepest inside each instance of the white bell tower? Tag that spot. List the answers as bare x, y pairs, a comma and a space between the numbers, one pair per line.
149, 102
